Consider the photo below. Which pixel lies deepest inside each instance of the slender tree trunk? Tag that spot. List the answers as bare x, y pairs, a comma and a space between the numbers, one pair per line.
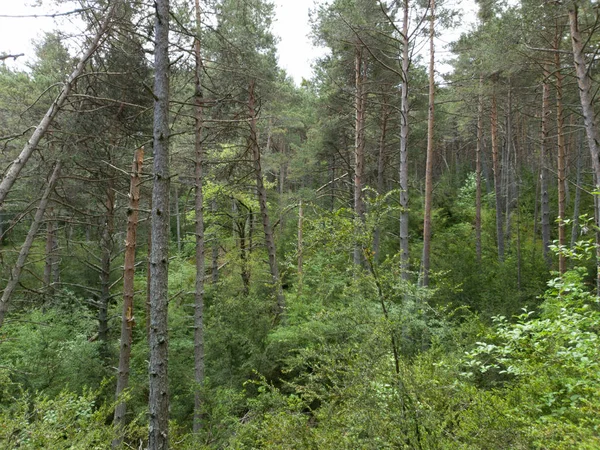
215, 249
381, 170
508, 169
22, 258
158, 438
577, 201
127, 318
300, 245
429, 162
404, 130
478, 171
544, 173
177, 219
51, 269
586, 95
497, 183
359, 145
560, 124
106, 246
262, 200
199, 207
12, 173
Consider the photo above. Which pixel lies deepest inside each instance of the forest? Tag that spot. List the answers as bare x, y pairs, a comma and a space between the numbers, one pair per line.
198, 253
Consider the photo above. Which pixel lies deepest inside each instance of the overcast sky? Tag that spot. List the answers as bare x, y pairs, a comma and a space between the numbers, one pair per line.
296, 52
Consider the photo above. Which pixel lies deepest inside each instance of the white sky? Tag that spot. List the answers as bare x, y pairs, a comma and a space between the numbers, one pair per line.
296, 53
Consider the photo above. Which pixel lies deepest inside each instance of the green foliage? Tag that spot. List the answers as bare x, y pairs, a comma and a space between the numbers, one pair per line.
48, 351
548, 362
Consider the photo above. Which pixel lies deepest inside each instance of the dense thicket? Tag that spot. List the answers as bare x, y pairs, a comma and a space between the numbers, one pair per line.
288, 221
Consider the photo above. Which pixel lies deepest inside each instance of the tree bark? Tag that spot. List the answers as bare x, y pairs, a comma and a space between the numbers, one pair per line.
127, 318
497, 183
381, 170
562, 174
300, 245
22, 258
404, 130
17, 165
359, 145
199, 208
478, 171
262, 200
106, 246
544, 173
215, 249
429, 161
577, 201
158, 438
586, 94
586, 97
51, 269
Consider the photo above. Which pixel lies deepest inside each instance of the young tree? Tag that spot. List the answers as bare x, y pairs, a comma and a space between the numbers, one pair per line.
429, 160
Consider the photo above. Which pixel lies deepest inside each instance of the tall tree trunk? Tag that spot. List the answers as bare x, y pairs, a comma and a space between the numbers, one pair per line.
359, 145
508, 169
577, 202
497, 183
158, 437
127, 318
215, 249
300, 245
199, 208
177, 219
586, 97
478, 171
429, 162
22, 258
544, 173
262, 201
12, 173
381, 170
106, 245
560, 124
404, 130
51, 269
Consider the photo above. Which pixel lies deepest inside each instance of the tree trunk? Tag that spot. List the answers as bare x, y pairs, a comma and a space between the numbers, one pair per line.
300, 245
127, 318
381, 170
215, 249
577, 202
359, 146
429, 162
544, 173
106, 246
560, 124
37, 220
497, 183
199, 208
262, 200
51, 268
508, 169
177, 219
478, 171
17, 165
586, 96
158, 438
404, 130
